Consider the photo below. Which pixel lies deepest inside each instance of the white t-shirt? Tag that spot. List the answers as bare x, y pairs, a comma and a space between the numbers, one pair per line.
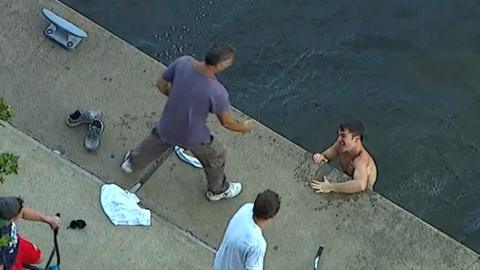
243, 246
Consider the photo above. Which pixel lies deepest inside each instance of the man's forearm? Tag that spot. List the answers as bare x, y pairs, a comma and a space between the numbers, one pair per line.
228, 121
330, 153
352, 186
33, 215
327, 155
235, 125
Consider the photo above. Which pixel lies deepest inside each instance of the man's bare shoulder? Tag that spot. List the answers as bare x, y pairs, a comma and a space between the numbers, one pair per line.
363, 159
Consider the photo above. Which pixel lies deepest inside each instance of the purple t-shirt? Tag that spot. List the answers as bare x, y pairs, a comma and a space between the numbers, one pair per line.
192, 97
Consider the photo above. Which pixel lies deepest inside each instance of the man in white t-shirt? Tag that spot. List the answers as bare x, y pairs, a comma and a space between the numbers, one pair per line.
243, 246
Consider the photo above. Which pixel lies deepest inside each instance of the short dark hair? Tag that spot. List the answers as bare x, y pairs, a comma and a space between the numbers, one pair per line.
10, 207
217, 53
267, 205
354, 127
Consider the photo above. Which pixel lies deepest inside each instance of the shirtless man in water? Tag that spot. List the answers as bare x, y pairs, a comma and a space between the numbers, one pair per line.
354, 161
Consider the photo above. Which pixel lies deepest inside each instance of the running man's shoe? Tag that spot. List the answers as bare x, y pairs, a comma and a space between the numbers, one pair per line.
233, 190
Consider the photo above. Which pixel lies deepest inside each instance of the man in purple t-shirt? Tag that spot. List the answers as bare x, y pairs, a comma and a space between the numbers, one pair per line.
193, 93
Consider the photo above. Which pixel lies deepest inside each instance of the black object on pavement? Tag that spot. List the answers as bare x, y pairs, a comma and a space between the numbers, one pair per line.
77, 224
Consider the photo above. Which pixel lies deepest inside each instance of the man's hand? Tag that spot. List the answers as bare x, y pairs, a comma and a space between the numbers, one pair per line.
320, 158
321, 187
53, 221
247, 126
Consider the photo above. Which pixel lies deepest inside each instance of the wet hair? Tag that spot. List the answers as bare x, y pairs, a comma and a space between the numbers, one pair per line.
267, 205
354, 127
217, 53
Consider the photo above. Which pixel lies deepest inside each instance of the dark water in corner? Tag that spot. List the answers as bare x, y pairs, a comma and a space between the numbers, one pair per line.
408, 69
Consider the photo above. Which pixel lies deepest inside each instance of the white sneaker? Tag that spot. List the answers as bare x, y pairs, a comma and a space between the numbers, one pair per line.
233, 190
126, 164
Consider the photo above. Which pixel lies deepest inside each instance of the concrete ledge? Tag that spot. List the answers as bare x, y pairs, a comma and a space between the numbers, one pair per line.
43, 82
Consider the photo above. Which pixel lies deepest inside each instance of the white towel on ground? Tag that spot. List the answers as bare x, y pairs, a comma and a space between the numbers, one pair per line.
121, 206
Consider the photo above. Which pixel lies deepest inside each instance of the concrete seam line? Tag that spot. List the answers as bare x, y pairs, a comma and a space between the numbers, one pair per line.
68, 162
187, 233
152, 168
98, 181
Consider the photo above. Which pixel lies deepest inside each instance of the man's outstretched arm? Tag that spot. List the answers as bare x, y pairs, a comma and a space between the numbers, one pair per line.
229, 122
33, 215
326, 156
359, 182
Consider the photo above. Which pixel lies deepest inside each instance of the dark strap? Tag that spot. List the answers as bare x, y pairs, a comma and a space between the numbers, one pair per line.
54, 251
55, 248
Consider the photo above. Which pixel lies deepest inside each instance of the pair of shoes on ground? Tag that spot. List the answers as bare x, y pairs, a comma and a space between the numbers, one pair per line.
234, 189
95, 126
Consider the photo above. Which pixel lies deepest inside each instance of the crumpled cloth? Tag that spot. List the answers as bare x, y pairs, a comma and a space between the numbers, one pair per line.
121, 206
